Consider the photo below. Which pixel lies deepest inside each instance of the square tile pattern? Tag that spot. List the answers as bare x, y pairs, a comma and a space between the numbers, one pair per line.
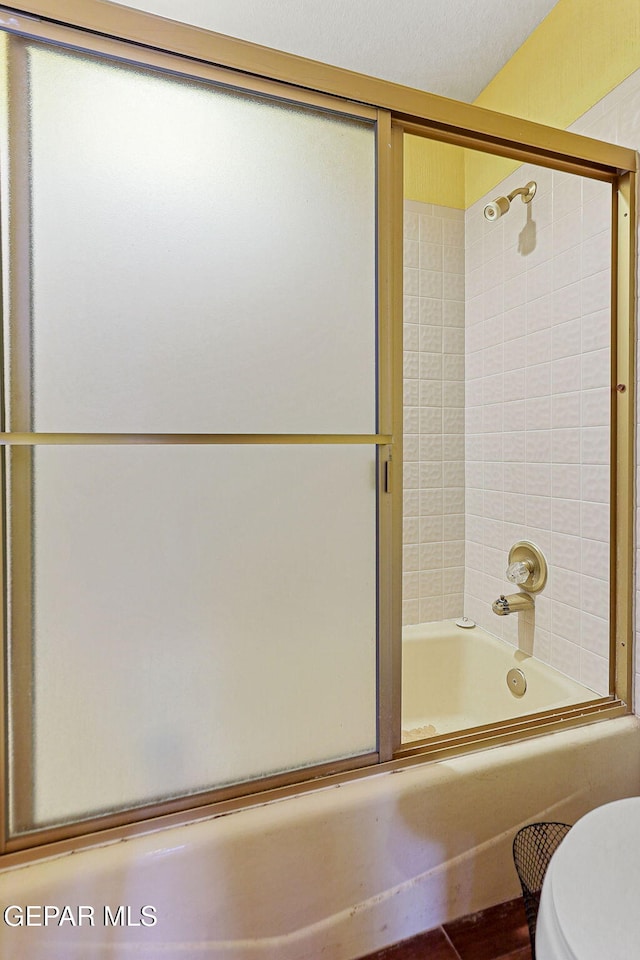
516, 338
434, 338
537, 406
508, 324
498, 933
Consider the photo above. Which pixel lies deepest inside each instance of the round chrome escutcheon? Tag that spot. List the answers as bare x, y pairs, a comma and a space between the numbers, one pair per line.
517, 682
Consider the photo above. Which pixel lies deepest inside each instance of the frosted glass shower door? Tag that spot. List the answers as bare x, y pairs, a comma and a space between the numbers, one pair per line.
193, 626
203, 260
192, 503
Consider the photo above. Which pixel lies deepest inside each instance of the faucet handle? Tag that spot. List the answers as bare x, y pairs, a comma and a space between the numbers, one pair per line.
519, 572
527, 566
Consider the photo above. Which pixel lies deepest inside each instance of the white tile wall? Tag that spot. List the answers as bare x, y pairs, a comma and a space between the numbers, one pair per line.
615, 118
433, 572
536, 330
537, 356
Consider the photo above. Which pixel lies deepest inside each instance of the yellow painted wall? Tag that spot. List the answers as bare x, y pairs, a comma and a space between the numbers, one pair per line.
578, 54
434, 172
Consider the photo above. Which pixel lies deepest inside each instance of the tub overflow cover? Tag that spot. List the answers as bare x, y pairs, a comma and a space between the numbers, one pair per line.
517, 682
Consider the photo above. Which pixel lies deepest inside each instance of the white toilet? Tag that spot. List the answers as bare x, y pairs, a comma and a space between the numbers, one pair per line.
590, 903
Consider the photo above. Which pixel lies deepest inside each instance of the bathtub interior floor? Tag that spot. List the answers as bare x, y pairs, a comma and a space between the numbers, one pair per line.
454, 679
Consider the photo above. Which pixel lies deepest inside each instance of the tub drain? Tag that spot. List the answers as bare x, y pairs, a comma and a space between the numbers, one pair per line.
517, 682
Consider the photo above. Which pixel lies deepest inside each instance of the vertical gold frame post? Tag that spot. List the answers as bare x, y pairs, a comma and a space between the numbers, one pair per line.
4, 664
17, 465
623, 415
389, 229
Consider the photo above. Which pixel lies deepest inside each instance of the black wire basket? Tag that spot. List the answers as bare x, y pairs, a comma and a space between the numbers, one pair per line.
533, 847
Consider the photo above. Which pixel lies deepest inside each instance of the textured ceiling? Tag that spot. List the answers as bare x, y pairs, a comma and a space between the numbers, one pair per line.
449, 47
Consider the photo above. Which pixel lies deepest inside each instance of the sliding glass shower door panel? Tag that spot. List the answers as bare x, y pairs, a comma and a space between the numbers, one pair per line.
202, 259
202, 616
191, 405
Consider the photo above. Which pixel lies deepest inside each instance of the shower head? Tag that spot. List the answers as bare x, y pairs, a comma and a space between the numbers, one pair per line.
496, 208
501, 205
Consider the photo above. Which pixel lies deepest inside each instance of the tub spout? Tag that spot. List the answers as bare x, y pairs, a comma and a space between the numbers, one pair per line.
514, 603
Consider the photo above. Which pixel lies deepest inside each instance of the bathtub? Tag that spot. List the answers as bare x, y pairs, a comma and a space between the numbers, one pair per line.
332, 873
455, 677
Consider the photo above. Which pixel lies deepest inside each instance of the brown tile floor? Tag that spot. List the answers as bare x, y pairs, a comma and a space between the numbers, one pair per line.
499, 933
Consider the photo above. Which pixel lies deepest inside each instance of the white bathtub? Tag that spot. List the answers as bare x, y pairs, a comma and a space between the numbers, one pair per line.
454, 678
334, 873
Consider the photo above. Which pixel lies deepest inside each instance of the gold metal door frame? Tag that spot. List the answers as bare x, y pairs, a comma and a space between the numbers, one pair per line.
21, 440
152, 41
622, 460
622, 451
440, 116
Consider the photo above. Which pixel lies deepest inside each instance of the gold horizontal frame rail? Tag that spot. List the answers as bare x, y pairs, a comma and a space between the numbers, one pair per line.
218, 799
145, 57
56, 841
205, 46
509, 148
491, 731
469, 741
106, 439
